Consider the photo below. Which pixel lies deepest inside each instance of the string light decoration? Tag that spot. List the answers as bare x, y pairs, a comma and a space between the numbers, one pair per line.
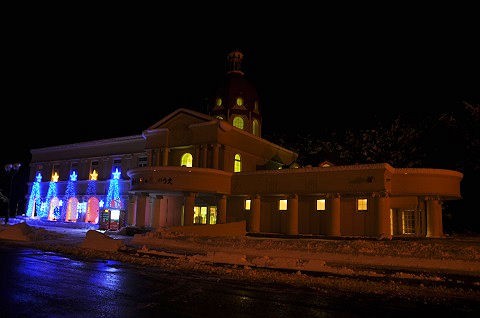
55, 177
94, 175
73, 176
34, 202
113, 194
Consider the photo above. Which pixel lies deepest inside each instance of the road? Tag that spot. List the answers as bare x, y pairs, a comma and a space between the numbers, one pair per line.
36, 283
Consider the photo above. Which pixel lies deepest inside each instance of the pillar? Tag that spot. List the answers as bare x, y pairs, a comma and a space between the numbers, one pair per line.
196, 159
132, 209
204, 156
255, 215
157, 211
434, 218
333, 225
222, 209
382, 207
150, 157
165, 151
292, 215
189, 203
142, 202
216, 150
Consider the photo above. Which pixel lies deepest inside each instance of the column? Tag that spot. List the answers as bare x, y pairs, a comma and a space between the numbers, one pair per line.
141, 209
434, 218
132, 209
255, 215
189, 203
204, 156
333, 226
382, 208
157, 211
216, 148
292, 215
165, 151
150, 157
159, 155
222, 209
196, 159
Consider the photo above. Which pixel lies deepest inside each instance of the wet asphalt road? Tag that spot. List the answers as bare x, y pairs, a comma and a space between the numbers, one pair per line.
35, 283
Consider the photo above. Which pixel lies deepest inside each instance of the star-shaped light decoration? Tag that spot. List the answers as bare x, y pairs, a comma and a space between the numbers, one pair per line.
39, 177
73, 176
101, 204
55, 177
93, 175
116, 174
60, 203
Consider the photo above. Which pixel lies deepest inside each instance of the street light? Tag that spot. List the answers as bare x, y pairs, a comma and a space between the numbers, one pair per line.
11, 169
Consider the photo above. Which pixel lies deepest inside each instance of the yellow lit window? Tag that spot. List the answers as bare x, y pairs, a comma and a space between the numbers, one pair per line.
219, 102
362, 204
186, 160
256, 128
282, 205
321, 205
408, 222
237, 165
238, 122
248, 204
239, 101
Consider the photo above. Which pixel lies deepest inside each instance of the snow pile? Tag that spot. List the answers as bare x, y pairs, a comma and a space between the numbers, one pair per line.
213, 230
25, 233
98, 241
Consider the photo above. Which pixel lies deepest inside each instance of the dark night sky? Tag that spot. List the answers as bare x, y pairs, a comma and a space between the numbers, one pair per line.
76, 77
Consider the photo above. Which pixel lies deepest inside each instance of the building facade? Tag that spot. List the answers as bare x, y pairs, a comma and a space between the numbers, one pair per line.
191, 169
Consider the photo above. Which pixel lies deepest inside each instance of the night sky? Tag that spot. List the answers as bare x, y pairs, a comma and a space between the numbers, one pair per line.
74, 78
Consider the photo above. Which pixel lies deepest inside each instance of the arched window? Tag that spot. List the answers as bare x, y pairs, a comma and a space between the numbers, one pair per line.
256, 128
237, 166
238, 122
187, 160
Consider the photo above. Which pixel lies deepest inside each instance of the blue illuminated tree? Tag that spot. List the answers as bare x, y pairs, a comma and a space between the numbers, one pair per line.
92, 187
34, 200
114, 191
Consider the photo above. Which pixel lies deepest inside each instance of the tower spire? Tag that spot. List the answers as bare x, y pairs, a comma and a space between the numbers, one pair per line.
234, 60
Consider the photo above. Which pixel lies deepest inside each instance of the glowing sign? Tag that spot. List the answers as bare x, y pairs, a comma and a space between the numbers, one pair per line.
115, 215
116, 174
93, 175
73, 176
39, 177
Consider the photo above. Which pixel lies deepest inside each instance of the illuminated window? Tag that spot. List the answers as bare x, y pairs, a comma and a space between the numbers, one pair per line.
82, 207
219, 102
213, 215
186, 160
200, 215
256, 128
408, 222
321, 205
237, 166
362, 204
238, 122
282, 205
248, 204
239, 101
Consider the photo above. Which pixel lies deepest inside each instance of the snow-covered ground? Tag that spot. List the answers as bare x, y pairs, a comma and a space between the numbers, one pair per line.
429, 269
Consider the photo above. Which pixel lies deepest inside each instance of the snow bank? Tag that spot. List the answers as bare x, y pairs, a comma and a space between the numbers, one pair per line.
213, 230
25, 233
98, 241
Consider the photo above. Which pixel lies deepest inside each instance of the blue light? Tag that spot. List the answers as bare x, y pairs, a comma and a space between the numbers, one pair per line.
34, 202
92, 187
73, 176
113, 195
116, 174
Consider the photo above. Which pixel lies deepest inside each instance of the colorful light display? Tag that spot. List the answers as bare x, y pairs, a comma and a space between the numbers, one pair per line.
34, 202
